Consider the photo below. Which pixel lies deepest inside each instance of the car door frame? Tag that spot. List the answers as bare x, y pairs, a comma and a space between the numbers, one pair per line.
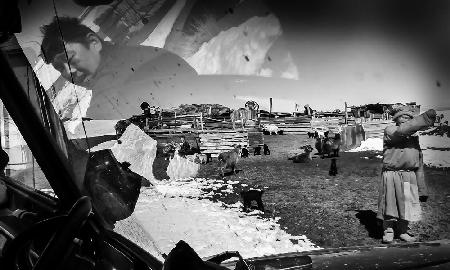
56, 168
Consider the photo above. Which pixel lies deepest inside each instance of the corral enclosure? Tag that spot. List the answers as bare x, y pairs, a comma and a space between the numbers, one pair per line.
213, 140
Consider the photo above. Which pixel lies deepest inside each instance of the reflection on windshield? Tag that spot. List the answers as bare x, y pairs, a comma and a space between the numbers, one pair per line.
221, 122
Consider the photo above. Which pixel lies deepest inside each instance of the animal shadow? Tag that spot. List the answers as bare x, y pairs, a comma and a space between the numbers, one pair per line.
368, 218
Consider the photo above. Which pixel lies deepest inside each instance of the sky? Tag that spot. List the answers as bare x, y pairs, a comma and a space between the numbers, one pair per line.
342, 51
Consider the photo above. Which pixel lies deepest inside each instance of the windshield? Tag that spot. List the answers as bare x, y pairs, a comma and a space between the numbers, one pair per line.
249, 125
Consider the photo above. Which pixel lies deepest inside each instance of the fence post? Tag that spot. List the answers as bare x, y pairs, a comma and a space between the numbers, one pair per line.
345, 114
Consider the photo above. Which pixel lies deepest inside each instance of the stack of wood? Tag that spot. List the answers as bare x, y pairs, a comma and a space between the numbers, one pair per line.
216, 142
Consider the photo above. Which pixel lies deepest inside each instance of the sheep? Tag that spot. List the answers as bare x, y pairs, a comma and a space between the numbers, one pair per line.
270, 129
229, 160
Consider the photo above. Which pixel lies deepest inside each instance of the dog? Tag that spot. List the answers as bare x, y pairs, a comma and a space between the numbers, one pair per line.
266, 150
333, 167
311, 134
257, 151
244, 153
229, 160
252, 195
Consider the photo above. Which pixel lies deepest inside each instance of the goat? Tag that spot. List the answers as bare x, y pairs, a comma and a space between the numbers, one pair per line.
169, 150
257, 150
266, 149
244, 153
229, 159
252, 195
303, 157
318, 145
200, 158
333, 167
327, 145
336, 144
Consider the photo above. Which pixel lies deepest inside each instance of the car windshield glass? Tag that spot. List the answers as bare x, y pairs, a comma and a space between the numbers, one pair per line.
241, 123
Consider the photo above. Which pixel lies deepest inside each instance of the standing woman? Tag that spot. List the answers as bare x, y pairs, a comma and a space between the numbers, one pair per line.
402, 183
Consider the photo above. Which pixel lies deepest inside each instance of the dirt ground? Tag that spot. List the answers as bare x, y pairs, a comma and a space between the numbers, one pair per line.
332, 211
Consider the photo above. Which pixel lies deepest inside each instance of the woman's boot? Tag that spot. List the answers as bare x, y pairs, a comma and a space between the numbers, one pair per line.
388, 231
402, 228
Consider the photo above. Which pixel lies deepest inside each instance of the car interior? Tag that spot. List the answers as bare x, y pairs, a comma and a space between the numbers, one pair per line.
58, 207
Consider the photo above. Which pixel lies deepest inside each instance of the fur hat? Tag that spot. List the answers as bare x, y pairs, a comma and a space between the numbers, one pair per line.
402, 111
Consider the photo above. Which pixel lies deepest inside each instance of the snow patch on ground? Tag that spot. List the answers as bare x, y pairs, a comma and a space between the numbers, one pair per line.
371, 144
177, 210
180, 168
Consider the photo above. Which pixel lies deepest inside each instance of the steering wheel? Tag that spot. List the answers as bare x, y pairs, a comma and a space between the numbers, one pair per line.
19, 254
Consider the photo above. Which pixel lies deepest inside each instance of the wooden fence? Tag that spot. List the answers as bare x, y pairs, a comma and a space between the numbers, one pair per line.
216, 142
289, 125
375, 129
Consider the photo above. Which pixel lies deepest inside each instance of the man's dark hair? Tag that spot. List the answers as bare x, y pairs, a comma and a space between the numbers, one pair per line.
73, 31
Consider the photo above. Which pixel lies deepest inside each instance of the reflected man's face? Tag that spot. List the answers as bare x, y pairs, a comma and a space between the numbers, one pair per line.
82, 61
